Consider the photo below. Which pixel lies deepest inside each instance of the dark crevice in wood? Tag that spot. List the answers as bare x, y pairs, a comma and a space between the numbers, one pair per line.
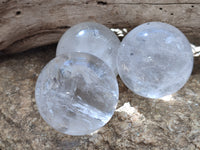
18, 13
6, 1
2, 53
101, 3
63, 27
154, 3
1, 42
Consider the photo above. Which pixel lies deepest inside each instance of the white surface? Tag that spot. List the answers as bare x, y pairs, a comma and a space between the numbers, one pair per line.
76, 94
155, 59
92, 38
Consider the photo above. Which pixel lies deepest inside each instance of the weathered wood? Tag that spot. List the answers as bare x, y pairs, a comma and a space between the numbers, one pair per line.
32, 23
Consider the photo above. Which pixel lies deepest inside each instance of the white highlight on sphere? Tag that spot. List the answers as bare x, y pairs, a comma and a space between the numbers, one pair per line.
92, 38
77, 93
155, 59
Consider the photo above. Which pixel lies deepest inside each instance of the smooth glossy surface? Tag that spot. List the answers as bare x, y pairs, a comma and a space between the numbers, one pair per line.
92, 38
76, 94
155, 59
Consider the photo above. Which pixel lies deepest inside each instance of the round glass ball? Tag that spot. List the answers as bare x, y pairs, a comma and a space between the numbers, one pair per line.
92, 38
155, 59
76, 93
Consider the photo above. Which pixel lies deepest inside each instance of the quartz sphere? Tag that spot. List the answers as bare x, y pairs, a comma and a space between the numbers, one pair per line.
77, 93
155, 59
92, 38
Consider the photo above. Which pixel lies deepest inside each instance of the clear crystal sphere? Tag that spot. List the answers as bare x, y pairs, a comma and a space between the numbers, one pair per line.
77, 93
93, 38
155, 59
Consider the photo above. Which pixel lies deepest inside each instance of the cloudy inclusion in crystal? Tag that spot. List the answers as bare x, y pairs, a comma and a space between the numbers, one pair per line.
76, 94
93, 38
155, 59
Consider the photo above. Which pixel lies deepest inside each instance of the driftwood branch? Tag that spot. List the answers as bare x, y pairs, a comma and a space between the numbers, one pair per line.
25, 24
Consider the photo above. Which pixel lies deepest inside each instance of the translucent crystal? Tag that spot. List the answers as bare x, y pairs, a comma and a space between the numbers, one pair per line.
92, 38
76, 94
155, 59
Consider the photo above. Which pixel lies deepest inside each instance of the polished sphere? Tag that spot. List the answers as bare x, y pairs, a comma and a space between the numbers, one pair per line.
92, 38
77, 93
155, 59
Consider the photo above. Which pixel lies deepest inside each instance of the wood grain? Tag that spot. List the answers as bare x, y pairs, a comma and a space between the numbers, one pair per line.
32, 23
